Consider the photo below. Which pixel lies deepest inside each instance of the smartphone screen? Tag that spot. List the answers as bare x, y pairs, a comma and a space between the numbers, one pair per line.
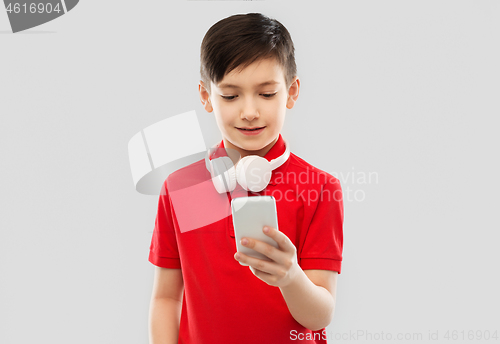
250, 215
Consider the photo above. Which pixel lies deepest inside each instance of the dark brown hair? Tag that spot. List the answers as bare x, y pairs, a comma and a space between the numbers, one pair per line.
239, 40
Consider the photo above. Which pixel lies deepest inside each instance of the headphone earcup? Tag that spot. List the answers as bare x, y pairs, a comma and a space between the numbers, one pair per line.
223, 174
240, 175
231, 177
253, 173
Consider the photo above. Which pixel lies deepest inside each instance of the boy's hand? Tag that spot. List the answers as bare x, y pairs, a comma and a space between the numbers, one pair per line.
283, 268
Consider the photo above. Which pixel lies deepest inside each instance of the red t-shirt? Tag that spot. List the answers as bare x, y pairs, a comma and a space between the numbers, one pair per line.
223, 301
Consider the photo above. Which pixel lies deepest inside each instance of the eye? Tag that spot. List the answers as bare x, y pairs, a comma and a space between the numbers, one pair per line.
265, 95
269, 95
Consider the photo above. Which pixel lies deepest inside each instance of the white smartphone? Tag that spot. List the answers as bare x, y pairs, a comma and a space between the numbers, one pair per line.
250, 215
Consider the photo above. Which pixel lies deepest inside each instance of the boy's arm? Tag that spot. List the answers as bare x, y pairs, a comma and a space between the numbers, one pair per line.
166, 305
311, 297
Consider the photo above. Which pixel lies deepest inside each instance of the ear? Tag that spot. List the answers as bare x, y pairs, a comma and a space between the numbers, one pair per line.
205, 97
293, 93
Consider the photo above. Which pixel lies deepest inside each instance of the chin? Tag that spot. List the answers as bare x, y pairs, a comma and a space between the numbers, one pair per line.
254, 146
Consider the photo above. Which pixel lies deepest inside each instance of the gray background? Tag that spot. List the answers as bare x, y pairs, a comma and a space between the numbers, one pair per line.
406, 90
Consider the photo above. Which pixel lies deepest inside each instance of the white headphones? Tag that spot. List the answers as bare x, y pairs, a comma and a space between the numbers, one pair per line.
225, 174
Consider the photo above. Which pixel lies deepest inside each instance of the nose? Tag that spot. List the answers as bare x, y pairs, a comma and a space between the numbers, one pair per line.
249, 111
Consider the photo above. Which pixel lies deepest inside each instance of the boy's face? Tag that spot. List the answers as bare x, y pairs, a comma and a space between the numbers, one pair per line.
241, 101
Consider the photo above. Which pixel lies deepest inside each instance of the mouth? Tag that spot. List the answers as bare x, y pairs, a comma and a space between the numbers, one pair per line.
251, 129
251, 132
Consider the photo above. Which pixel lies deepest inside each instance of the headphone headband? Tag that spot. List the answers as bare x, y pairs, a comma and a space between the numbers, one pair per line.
232, 173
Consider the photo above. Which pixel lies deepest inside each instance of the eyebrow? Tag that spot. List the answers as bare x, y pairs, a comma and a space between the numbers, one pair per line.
270, 82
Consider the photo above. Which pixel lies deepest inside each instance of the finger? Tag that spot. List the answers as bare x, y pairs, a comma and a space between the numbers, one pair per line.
267, 250
284, 243
259, 273
256, 263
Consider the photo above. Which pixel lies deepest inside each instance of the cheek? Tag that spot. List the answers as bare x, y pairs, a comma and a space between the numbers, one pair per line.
219, 108
278, 105
281, 101
224, 112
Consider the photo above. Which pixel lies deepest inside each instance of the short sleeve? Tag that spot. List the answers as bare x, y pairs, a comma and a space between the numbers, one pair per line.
163, 251
323, 244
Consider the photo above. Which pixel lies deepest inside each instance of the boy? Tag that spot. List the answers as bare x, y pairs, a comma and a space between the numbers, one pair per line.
201, 293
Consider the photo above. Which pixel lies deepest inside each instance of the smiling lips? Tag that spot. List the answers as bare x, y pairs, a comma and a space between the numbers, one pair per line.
247, 128
254, 131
